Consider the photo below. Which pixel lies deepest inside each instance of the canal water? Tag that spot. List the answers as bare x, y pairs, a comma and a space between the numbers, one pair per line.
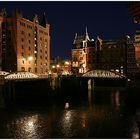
107, 113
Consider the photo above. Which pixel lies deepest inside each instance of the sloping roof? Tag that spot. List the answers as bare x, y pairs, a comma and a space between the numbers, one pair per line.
79, 39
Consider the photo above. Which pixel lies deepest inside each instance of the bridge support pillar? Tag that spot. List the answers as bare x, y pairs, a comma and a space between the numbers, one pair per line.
90, 84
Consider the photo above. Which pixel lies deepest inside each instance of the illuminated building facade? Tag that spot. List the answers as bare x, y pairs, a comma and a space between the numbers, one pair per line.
60, 66
111, 55
83, 54
137, 47
134, 9
24, 43
117, 56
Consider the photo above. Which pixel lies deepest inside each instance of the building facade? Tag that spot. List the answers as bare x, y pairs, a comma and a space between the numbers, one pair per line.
117, 56
137, 47
83, 54
134, 10
113, 55
24, 43
60, 66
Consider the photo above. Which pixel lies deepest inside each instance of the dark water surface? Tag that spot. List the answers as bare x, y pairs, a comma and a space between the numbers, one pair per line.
105, 114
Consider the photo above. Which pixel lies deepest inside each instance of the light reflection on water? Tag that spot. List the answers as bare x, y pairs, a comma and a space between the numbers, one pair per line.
100, 119
24, 127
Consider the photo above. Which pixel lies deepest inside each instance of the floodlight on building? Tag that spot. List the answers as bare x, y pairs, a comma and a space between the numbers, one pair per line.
30, 58
53, 66
57, 66
67, 63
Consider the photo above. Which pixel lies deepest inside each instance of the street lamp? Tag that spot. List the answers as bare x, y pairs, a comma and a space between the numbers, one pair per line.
67, 63
53, 66
57, 66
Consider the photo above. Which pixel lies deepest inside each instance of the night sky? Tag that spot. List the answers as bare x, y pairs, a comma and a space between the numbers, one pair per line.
109, 20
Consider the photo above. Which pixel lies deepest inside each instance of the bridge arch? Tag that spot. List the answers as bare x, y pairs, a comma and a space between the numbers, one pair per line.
3, 73
103, 74
21, 75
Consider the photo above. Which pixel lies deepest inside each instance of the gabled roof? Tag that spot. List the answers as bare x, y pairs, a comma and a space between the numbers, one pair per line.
79, 39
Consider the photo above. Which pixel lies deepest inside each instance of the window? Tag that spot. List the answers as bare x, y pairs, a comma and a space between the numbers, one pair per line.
41, 70
22, 24
22, 54
22, 61
29, 27
22, 32
29, 34
22, 69
35, 70
22, 46
29, 69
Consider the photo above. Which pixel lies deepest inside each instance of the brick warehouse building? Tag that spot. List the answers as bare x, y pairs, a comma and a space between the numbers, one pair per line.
83, 54
112, 55
134, 10
24, 43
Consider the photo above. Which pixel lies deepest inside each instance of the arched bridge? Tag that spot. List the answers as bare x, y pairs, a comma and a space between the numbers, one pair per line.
3, 73
103, 74
20, 76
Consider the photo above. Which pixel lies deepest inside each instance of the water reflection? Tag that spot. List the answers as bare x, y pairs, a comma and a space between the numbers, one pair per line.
104, 116
25, 127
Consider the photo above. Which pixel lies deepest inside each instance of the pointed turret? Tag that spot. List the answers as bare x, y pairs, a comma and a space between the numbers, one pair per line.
3, 12
44, 20
75, 38
99, 43
18, 13
35, 18
87, 36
